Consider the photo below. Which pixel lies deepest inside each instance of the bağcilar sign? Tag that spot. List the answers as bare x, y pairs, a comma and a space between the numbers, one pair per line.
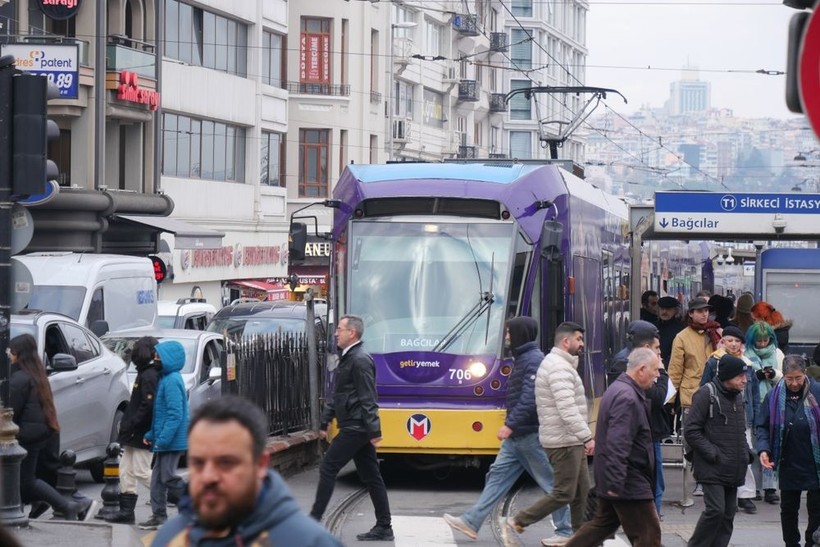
689, 213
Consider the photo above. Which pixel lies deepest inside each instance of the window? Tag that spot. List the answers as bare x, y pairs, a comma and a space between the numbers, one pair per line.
314, 161
201, 38
202, 149
522, 8
273, 59
520, 104
271, 154
374, 149
520, 145
433, 35
521, 41
403, 95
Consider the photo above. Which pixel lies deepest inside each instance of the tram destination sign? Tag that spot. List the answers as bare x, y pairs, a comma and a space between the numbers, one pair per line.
738, 213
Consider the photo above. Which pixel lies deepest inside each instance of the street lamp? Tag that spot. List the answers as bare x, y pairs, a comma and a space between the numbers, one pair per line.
392, 83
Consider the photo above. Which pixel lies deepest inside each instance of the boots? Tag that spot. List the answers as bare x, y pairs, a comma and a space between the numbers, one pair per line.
128, 502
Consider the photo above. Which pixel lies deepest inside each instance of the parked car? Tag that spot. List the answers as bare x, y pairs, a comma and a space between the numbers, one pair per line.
185, 313
203, 354
89, 382
267, 317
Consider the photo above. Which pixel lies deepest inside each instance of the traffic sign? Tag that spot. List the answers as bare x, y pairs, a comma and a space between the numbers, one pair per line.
809, 74
739, 213
22, 228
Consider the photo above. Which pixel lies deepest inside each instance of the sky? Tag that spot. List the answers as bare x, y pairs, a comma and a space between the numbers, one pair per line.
716, 36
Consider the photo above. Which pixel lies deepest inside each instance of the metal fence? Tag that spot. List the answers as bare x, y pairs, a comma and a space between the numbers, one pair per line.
272, 371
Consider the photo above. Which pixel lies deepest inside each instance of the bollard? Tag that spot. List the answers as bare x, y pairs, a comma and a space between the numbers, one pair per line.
66, 480
111, 475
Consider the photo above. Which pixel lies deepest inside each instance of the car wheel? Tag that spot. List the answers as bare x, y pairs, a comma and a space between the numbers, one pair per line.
97, 468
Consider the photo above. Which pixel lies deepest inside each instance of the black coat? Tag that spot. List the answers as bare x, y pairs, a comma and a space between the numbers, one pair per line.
667, 330
624, 452
28, 412
136, 421
718, 443
522, 416
354, 402
659, 418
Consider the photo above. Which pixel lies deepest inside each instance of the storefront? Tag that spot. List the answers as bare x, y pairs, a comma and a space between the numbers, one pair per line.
314, 270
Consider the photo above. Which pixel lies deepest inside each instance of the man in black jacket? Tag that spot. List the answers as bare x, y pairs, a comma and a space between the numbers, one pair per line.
625, 459
356, 411
715, 430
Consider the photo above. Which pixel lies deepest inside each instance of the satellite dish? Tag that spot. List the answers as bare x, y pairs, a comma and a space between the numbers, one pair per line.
22, 228
21, 286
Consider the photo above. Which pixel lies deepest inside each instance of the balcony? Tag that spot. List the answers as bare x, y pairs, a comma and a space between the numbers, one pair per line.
466, 25
467, 152
497, 103
468, 90
330, 90
124, 53
498, 42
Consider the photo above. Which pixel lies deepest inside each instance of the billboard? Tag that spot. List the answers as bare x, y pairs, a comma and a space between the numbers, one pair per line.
58, 62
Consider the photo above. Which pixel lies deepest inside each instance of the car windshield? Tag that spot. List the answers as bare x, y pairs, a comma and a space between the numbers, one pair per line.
67, 300
121, 345
166, 321
247, 326
435, 281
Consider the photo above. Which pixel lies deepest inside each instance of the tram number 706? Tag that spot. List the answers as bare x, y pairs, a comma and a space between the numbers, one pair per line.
460, 374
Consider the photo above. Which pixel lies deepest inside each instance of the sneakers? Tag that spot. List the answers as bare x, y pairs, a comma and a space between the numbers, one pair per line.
377, 533
747, 505
686, 502
770, 496
509, 528
153, 523
457, 523
555, 541
698, 491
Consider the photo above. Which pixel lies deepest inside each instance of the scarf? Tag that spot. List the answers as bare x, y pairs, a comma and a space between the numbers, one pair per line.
777, 420
711, 328
762, 358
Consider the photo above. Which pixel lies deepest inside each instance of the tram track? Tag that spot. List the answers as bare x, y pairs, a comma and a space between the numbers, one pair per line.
504, 508
334, 520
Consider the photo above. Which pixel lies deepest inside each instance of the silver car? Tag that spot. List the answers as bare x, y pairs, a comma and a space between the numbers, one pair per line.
203, 354
89, 382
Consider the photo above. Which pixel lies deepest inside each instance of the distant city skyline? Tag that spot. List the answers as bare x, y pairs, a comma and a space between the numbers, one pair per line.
723, 41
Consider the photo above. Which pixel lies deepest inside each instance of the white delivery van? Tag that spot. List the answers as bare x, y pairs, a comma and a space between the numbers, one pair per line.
101, 291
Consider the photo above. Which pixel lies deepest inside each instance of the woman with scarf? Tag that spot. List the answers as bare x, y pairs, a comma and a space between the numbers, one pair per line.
788, 442
767, 360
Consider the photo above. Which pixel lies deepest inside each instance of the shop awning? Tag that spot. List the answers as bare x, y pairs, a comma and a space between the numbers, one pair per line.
186, 235
274, 292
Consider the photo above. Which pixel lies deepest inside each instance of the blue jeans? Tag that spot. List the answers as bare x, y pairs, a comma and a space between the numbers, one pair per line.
517, 454
660, 486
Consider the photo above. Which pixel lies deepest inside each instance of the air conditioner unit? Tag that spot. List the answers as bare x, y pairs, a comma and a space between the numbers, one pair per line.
401, 130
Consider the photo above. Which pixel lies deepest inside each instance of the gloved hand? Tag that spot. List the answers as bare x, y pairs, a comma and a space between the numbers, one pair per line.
761, 374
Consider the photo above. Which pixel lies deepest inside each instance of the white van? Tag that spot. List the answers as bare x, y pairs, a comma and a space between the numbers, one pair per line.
102, 292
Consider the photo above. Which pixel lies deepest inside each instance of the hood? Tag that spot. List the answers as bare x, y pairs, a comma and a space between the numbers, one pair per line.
522, 330
171, 355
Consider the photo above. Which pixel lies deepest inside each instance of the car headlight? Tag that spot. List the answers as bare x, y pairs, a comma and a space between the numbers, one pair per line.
478, 369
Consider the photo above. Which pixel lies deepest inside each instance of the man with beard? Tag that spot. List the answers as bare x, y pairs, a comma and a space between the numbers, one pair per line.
235, 498
669, 325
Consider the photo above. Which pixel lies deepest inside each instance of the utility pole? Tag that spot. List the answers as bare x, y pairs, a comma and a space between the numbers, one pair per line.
11, 453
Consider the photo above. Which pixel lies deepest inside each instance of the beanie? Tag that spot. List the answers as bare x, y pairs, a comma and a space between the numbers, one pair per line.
522, 330
733, 331
730, 366
745, 302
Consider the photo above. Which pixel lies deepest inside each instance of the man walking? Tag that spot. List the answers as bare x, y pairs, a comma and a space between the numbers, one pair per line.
520, 450
562, 430
236, 499
669, 325
356, 410
625, 459
715, 429
649, 306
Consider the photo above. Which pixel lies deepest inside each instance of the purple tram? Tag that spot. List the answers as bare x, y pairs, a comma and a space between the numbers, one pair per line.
435, 258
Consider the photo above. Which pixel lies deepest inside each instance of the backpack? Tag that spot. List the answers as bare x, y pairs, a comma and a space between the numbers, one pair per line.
713, 400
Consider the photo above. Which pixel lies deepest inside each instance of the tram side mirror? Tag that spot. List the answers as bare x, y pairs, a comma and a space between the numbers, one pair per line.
551, 238
297, 240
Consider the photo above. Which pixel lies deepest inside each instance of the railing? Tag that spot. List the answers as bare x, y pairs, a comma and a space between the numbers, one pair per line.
497, 103
272, 371
375, 97
498, 41
303, 88
468, 152
468, 90
466, 25
125, 53
497, 156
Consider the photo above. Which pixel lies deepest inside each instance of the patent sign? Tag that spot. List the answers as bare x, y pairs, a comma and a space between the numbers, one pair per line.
57, 62
690, 213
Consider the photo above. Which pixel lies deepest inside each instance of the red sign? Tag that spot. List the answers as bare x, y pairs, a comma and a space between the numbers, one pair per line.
129, 90
160, 269
809, 75
59, 10
314, 58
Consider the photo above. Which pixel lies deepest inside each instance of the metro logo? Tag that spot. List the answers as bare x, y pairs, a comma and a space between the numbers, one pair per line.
418, 426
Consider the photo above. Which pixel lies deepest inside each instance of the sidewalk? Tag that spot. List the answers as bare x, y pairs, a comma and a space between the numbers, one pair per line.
76, 534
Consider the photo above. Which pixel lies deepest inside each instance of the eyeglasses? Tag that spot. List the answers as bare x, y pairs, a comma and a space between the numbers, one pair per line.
794, 380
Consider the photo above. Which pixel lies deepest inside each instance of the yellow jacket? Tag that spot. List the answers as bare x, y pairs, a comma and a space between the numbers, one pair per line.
690, 350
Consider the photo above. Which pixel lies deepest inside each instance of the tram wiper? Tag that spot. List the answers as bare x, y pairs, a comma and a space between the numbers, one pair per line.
483, 304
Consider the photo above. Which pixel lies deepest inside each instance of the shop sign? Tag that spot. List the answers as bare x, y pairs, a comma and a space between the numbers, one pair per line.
59, 10
130, 90
57, 62
236, 256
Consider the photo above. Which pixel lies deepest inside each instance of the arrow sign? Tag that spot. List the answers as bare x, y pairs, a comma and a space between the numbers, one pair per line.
663, 223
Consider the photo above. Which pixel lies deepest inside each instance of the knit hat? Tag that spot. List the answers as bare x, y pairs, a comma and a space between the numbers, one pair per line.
522, 330
723, 306
730, 366
745, 302
172, 355
668, 302
733, 331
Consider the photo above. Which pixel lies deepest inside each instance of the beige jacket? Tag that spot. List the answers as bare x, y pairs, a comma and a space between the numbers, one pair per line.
690, 351
560, 401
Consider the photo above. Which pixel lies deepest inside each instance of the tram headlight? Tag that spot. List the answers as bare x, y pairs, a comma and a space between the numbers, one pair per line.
478, 369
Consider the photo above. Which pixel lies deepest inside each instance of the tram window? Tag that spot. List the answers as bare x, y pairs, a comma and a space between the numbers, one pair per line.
513, 307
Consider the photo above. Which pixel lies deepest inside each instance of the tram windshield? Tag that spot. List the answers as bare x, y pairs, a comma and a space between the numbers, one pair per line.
430, 286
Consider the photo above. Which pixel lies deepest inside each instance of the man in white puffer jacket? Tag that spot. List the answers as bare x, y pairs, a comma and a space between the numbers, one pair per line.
563, 431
